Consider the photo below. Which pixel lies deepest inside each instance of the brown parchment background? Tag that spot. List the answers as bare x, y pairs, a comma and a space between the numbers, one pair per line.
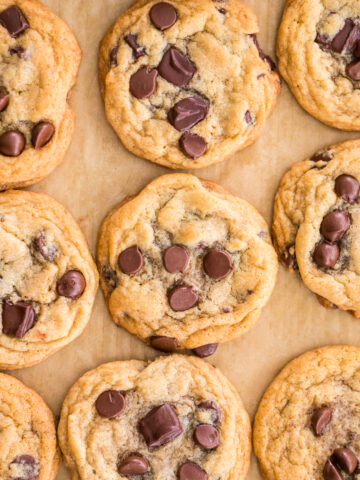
98, 173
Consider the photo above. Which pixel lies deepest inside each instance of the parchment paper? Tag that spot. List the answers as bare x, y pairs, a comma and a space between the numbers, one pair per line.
98, 172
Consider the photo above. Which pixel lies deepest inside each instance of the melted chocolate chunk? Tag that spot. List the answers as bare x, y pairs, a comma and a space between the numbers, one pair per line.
205, 350
46, 251
143, 82
176, 259
321, 419
340, 41
182, 298
346, 460
330, 472
188, 112
163, 15
322, 156
110, 403
14, 21
326, 254
113, 56
29, 467
263, 56
133, 465
131, 260
192, 145
17, 318
164, 344
138, 50
41, 135
191, 471
288, 258
210, 405
334, 225
353, 70
249, 118
19, 51
176, 68
71, 285
12, 143
161, 425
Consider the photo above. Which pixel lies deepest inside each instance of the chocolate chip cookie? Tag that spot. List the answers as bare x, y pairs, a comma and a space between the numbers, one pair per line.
27, 434
169, 92
177, 418
317, 221
319, 57
39, 61
48, 279
185, 264
308, 424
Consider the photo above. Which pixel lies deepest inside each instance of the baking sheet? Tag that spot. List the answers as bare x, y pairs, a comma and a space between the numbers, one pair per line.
98, 172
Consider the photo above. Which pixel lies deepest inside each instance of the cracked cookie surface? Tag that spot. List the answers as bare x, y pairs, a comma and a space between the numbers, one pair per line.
309, 418
316, 224
97, 441
39, 61
185, 260
319, 57
27, 434
160, 54
48, 279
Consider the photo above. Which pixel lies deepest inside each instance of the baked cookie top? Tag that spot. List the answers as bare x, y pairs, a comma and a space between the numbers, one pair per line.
308, 424
175, 418
187, 260
39, 60
169, 90
48, 278
317, 223
27, 434
319, 57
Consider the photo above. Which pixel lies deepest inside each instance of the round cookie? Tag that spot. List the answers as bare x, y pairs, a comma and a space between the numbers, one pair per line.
27, 434
39, 62
308, 424
319, 57
48, 278
185, 264
169, 92
193, 425
317, 222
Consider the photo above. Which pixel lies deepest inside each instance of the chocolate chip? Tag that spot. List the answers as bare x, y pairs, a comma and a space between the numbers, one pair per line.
176, 68
131, 40
143, 82
46, 251
110, 277
347, 187
330, 472
182, 298
4, 101
326, 254
249, 118
28, 466
206, 436
14, 21
205, 350
176, 259
17, 318
323, 40
19, 51
264, 58
163, 15
160, 426
288, 258
334, 225
131, 260
191, 471
353, 70
71, 285
339, 41
217, 263
357, 50
42, 133
222, 10
192, 145
113, 56
12, 143
133, 465
322, 156
321, 419
188, 112
210, 405
346, 460
164, 344
110, 403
